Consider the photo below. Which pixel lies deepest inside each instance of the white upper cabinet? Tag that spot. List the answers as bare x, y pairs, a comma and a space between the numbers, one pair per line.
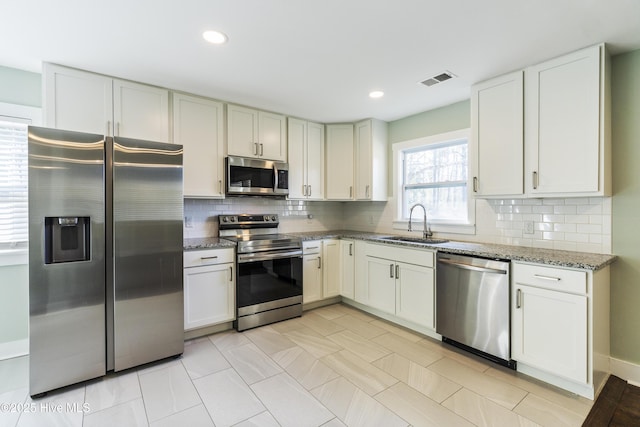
254, 133
371, 160
340, 162
198, 125
562, 110
140, 111
306, 159
85, 102
567, 125
498, 136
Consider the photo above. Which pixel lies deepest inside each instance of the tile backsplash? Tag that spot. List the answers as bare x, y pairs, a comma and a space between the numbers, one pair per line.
201, 215
578, 224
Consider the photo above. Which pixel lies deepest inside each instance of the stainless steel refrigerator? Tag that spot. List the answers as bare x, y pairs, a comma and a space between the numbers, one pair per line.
105, 255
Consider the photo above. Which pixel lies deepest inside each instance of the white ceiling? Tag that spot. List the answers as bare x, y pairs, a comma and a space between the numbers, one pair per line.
313, 59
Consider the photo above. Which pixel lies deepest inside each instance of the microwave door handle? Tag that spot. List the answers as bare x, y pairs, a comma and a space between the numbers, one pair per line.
275, 178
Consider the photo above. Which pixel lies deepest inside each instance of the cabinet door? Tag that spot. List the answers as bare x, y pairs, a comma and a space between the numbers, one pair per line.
339, 162
315, 161
77, 100
311, 278
415, 292
242, 131
363, 160
209, 295
550, 331
497, 124
272, 136
563, 124
330, 268
140, 111
347, 268
198, 126
380, 278
297, 136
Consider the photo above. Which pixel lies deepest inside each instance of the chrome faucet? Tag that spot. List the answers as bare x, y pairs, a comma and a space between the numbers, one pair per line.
426, 231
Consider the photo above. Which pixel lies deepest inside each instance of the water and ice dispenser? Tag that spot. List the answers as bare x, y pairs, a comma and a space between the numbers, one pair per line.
67, 239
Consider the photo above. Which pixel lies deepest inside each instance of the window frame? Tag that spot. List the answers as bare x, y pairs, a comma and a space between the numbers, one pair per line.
31, 116
443, 226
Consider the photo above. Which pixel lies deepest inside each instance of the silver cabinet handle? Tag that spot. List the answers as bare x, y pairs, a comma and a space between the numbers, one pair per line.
397, 271
304, 190
117, 133
108, 133
312, 247
535, 180
350, 191
262, 149
519, 298
220, 185
475, 184
255, 148
350, 249
553, 279
231, 273
366, 192
319, 262
309, 191
208, 257
391, 271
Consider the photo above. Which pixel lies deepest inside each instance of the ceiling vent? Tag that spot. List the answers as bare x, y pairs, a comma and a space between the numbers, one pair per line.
442, 77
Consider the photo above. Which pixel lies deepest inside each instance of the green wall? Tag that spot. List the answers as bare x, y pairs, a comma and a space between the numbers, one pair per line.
14, 302
446, 119
20, 87
625, 272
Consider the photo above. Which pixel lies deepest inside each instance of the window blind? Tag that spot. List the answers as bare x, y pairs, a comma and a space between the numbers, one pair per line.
14, 174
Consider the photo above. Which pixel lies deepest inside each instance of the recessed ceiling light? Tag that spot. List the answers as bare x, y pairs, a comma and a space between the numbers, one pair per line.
215, 37
376, 94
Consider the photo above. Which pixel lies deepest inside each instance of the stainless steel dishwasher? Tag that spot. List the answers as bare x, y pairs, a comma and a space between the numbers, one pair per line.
472, 305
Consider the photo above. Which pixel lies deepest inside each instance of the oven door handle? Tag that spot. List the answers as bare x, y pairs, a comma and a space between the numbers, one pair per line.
244, 258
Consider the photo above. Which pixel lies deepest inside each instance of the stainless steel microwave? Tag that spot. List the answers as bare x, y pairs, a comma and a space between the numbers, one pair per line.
256, 177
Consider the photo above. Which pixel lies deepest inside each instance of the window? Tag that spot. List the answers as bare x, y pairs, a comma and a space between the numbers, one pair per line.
14, 220
434, 172
14, 188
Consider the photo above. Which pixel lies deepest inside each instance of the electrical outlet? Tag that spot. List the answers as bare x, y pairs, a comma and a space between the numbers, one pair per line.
528, 227
188, 222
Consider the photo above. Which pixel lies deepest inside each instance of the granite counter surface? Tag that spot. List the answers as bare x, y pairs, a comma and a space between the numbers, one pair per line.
200, 243
569, 259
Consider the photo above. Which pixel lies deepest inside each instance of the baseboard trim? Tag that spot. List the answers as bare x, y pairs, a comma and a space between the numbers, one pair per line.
11, 349
626, 370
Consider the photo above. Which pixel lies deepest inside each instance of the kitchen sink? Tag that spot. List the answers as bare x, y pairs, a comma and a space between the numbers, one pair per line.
413, 240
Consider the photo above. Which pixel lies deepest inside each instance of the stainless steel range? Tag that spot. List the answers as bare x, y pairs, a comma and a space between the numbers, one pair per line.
269, 273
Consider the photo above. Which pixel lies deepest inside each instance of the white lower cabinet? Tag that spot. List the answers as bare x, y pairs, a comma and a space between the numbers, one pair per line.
560, 325
320, 269
209, 287
311, 271
397, 281
347, 268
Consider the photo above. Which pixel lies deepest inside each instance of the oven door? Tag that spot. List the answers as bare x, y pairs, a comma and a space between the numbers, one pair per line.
267, 277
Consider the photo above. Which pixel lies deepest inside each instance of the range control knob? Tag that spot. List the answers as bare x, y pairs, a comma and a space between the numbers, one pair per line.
232, 219
273, 218
225, 219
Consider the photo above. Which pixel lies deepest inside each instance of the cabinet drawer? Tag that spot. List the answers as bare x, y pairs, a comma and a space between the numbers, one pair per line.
208, 257
311, 247
410, 256
558, 279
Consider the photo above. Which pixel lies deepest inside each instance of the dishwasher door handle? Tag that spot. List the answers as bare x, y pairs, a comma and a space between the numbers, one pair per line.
465, 266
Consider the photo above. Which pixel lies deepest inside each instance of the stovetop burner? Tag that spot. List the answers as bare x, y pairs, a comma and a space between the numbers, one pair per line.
256, 233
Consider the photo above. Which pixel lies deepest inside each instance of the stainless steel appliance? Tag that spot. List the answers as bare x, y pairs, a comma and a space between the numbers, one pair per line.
105, 255
256, 177
472, 305
269, 272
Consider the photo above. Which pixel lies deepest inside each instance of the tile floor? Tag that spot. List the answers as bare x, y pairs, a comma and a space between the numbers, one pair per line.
334, 366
